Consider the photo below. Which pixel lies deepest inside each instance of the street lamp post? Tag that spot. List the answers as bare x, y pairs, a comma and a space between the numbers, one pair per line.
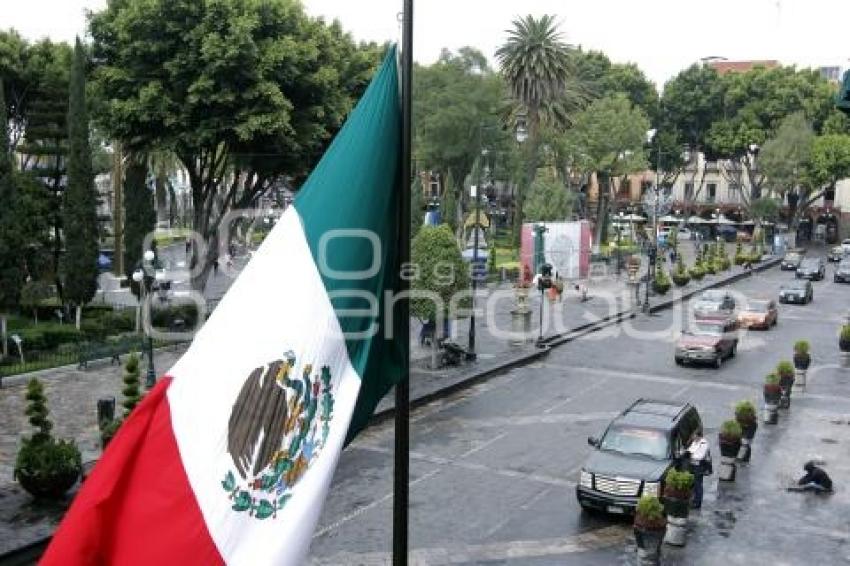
473, 192
619, 235
140, 277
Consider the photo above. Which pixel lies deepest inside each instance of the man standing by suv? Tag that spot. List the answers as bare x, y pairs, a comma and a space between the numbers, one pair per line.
700, 464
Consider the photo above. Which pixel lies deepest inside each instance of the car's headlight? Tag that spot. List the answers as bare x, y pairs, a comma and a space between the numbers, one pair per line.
651, 488
586, 479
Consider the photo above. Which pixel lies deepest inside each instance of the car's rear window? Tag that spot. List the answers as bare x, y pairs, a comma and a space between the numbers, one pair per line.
636, 441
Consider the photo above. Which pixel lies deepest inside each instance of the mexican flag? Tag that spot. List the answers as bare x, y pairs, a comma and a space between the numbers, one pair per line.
229, 458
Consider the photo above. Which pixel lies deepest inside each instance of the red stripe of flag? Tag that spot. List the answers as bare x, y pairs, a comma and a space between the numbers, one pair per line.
137, 506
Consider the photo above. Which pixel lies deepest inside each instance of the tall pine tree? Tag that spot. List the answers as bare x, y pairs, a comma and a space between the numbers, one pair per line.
80, 211
139, 213
10, 272
45, 145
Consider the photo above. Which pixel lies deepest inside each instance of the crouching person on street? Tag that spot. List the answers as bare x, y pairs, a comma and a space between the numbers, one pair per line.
815, 479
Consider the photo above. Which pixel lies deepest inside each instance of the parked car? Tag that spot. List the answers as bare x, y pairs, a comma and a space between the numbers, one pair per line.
791, 261
684, 234
842, 272
633, 456
812, 268
708, 341
845, 245
835, 254
759, 314
714, 302
744, 236
800, 291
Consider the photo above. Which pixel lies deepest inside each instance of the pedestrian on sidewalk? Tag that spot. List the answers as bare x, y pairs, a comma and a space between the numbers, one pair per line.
188, 245
815, 479
699, 454
215, 267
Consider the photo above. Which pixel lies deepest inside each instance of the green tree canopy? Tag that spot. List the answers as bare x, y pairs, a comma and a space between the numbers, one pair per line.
244, 93
784, 155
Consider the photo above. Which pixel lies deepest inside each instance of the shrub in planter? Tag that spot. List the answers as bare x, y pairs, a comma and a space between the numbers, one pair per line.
802, 359
844, 338
45, 467
131, 384
745, 415
785, 371
709, 267
649, 526
677, 492
697, 272
661, 284
730, 438
680, 275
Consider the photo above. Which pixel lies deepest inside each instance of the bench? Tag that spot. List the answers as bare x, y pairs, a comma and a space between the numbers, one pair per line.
112, 350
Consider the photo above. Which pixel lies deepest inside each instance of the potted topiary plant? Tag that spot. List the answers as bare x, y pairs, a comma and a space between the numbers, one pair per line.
802, 361
772, 394
844, 345
649, 527
677, 502
730, 445
745, 414
740, 257
785, 371
661, 283
45, 467
680, 274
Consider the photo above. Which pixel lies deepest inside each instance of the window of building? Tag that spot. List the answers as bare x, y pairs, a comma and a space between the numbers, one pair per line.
734, 191
711, 192
689, 191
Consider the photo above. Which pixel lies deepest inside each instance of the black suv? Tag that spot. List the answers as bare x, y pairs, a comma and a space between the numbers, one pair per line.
633, 456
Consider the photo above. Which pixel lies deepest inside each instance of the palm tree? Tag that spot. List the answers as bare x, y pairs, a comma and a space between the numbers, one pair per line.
537, 67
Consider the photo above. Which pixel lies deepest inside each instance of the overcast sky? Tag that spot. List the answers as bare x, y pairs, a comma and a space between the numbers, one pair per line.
661, 36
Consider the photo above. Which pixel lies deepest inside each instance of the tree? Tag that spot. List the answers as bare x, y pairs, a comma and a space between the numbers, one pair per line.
441, 276
10, 268
548, 200
784, 157
244, 93
81, 243
139, 213
754, 105
540, 75
456, 103
691, 102
608, 139
417, 206
43, 107
829, 163
131, 384
448, 206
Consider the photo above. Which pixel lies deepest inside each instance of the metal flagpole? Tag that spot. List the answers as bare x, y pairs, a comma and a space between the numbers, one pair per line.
402, 390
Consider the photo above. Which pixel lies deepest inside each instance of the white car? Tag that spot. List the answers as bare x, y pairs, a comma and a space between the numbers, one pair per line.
845, 245
684, 234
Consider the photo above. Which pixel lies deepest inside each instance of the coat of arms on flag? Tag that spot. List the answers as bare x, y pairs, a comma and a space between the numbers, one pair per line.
274, 433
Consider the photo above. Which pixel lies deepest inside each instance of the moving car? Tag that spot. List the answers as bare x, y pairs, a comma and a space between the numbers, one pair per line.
797, 292
714, 302
633, 456
845, 245
835, 254
842, 272
791, 261
684, 234
708, 341
759, 314
811, 268
728, 232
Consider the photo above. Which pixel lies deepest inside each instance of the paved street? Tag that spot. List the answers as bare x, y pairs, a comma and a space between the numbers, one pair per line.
493, 468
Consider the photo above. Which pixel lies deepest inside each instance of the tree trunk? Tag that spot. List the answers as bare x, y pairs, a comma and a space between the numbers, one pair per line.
79, 317
161, 194
529, 174
118, 209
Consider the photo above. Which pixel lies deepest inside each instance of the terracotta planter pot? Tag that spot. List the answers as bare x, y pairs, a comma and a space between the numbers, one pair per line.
772, 394
649, 541
676, 504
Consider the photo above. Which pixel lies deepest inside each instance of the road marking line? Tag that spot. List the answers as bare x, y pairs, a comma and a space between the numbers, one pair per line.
598, 539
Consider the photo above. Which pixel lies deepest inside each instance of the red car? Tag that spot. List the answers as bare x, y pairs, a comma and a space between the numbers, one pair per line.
759, 314
709, 341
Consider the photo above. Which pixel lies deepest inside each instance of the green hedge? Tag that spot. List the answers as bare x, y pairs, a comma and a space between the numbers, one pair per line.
46, 336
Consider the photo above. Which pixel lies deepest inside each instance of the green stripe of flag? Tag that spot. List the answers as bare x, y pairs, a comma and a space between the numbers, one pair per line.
356, 186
